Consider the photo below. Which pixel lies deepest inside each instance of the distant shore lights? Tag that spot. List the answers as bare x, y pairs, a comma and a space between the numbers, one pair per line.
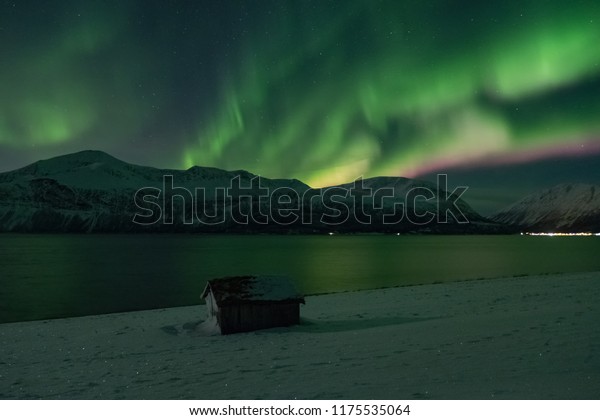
560, 234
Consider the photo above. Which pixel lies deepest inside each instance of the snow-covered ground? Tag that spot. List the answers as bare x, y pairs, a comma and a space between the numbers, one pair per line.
526, 337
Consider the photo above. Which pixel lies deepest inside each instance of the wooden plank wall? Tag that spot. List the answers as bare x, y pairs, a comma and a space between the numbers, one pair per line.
250, 317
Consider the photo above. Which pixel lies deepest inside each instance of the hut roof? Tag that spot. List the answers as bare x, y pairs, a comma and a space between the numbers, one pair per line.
255, 289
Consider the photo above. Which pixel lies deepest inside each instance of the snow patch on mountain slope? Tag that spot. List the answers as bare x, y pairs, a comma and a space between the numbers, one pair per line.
562, 207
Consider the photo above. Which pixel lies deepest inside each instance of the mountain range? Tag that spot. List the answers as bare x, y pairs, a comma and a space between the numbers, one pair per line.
91, 191
563, 208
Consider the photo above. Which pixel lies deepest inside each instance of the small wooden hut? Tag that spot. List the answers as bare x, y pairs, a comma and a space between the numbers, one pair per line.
248, 303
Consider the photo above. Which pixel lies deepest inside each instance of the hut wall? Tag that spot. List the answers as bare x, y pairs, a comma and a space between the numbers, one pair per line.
250, 317
211, 306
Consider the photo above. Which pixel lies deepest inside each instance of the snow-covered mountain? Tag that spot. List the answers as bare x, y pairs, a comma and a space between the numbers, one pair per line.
563, 208
419, 204
91, 191
96, 170
422, 194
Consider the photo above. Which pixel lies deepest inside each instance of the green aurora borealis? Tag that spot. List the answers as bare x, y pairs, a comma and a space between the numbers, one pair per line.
321, 91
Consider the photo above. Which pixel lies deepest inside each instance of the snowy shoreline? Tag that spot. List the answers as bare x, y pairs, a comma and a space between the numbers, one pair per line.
534, 337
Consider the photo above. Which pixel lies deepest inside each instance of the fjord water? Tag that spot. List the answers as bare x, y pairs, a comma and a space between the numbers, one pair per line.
50, 276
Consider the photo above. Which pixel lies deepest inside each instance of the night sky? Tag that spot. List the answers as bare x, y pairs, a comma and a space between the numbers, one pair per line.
323, 91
